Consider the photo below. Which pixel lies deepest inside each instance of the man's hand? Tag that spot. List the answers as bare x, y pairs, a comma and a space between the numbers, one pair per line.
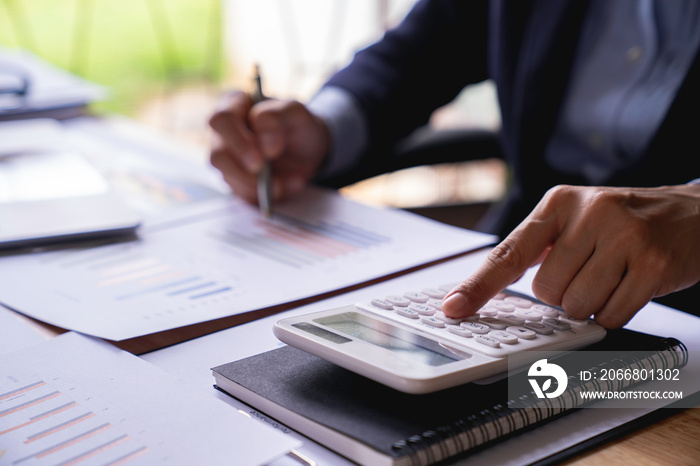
284, 132
604, 252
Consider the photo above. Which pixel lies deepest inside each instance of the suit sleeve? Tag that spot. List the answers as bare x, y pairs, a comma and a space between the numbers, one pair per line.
422, 64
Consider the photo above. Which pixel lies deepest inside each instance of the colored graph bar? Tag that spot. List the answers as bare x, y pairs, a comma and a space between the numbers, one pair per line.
29, 404
313, 244
190, 289
297, 243
340, 231
72, 441
212, 292
261, 246
22, 390
59, 427
42, 416
128, 457
136, 275
102, 448
159, 288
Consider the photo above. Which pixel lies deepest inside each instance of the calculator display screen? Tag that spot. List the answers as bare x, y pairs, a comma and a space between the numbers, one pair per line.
407, 344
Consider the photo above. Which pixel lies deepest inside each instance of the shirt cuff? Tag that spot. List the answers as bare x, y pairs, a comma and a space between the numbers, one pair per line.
346, 124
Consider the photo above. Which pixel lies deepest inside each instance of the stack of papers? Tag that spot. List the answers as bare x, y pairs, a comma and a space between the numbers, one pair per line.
202, 254
48, 90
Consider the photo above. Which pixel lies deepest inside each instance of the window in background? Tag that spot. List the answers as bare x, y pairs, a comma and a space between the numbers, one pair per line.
147, 52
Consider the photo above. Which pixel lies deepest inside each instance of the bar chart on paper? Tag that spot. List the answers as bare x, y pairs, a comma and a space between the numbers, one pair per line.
62, 426
297, 244
226, 262
74, 400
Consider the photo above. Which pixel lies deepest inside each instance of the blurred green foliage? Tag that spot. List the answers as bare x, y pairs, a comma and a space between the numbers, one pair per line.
137, 48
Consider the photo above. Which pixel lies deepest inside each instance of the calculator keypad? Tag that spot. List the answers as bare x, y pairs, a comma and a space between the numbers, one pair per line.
506, 324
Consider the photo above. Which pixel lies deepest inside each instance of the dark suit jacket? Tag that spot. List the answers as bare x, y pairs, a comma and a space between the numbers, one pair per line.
527, 48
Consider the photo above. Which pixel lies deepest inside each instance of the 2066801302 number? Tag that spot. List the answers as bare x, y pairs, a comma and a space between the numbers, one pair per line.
639, 374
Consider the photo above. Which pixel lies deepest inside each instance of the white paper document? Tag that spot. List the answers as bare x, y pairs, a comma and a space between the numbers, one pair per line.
16, 332
225, 261
76, 400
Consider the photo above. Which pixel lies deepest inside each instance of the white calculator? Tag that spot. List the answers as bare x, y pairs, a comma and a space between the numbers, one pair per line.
404, 341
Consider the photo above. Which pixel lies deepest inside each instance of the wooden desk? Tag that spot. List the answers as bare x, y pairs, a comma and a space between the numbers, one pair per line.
674, 440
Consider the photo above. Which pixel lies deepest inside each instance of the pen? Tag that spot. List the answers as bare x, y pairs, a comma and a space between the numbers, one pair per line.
265, 175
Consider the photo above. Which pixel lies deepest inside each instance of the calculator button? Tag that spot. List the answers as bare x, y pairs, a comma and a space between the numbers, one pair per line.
502, 305
545, 310
531, 328
448, 320
434, 303
564, 317
511, 319
422, 309
488, 311
398, 300
383, 304
416, 297
459, 330
476, 327
539, 328
488, 341
518, 302
406, 312
448, 287
435, 293
528, 314
500, 295
494, 323
556, 324
521, 332
432, 321
504, 337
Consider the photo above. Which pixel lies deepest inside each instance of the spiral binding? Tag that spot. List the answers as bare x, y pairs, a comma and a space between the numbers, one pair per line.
490, 424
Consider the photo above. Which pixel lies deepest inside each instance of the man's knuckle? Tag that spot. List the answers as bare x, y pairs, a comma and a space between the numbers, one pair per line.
505, 256
576, 304
611, 320
475, 286
219, 119
218, 157
558, 193
545, 290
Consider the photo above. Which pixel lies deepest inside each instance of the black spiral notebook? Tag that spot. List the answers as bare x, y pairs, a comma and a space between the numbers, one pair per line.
373, 424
